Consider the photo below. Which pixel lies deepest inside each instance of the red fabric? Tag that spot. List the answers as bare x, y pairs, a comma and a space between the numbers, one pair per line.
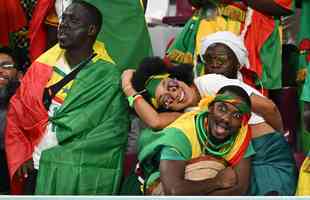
26, 120
37, 30
287, 4
258, 32
12, 18
239, 155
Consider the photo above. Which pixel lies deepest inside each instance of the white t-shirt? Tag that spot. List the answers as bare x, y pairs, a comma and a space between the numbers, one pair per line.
210, 84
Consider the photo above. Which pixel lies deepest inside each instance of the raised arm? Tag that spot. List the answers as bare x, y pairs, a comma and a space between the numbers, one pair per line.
267, 109
144, 110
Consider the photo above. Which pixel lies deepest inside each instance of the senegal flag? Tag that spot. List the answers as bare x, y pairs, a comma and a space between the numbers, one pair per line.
91, 128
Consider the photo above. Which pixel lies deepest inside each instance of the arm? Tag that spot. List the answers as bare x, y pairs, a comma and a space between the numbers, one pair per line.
172, 178
145, 111
269, 7
306, 115
268, 110
243, 170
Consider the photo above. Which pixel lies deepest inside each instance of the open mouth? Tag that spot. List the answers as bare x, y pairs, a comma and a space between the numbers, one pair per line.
181, 96
221, 130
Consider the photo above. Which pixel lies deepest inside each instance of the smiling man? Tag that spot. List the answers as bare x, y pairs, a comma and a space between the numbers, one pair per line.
217, 132
9, 81
63, 133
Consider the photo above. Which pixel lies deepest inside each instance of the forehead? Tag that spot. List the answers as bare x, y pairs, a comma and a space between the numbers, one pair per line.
76, 10
5, 58
231, 107
219, 48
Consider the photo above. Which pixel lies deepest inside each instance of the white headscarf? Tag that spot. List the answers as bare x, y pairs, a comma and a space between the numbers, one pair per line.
234, 42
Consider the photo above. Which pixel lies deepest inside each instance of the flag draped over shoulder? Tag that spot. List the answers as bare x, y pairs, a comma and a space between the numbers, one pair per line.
124, 31
91, 128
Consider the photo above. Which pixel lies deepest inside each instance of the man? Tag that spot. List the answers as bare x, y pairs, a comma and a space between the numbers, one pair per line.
218, 130
256, 21
9, 81
74, 133
273, 166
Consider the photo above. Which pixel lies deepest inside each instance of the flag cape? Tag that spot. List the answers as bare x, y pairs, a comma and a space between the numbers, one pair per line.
92, 127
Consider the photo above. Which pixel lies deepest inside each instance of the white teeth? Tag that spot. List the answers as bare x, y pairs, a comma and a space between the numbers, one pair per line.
181, 96
2, 79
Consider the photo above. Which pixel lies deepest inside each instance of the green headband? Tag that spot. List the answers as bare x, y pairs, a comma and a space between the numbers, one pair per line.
242, 107
151, 85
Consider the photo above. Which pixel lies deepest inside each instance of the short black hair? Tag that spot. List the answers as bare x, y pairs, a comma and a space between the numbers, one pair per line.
13, 54
94, 14
238, 91
150, 66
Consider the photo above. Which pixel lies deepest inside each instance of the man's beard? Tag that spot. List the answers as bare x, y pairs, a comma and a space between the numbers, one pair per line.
7, 91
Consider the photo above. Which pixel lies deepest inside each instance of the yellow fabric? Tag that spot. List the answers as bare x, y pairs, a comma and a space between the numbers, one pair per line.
303, 187
56, 77
53, 54
219, 23
186, 123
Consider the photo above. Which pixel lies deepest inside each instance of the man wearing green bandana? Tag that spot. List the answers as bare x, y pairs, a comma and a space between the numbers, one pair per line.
217, 131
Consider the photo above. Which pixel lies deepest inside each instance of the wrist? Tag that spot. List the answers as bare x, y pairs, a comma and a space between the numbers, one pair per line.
129, 90
131, 99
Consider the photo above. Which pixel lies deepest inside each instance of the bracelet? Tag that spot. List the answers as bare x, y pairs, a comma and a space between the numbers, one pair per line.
133, 98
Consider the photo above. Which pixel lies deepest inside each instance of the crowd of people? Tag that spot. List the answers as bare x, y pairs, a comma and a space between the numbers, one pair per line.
95, 103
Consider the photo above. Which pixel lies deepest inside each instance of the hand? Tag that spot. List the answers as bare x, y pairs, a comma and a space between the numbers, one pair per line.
126, 82
227, 177
25, 169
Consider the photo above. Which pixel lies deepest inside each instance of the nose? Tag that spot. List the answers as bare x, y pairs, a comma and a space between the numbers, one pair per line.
226, 117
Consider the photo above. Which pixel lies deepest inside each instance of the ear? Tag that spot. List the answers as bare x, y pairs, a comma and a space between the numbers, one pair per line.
92, 30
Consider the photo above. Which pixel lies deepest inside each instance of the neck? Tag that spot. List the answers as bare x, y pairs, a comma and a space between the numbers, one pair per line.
76, 56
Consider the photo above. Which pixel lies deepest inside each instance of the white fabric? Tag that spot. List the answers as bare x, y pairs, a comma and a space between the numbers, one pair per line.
210, 84
156, 10
49, 138
234, 42
60, 6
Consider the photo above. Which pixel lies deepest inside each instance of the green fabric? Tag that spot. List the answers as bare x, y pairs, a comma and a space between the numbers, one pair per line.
183, 48
151, 142
91, 127
250, 151
273, 166
304, 33
124, 31
270, 56
305, 95
152, 85
168, 153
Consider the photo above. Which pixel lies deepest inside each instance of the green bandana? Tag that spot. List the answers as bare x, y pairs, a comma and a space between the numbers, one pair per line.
151, 84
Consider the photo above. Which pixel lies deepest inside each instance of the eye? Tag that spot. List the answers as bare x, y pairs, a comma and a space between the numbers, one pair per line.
237, 115
222, 107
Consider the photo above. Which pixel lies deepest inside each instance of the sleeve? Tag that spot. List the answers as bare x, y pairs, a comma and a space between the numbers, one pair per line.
170, 153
